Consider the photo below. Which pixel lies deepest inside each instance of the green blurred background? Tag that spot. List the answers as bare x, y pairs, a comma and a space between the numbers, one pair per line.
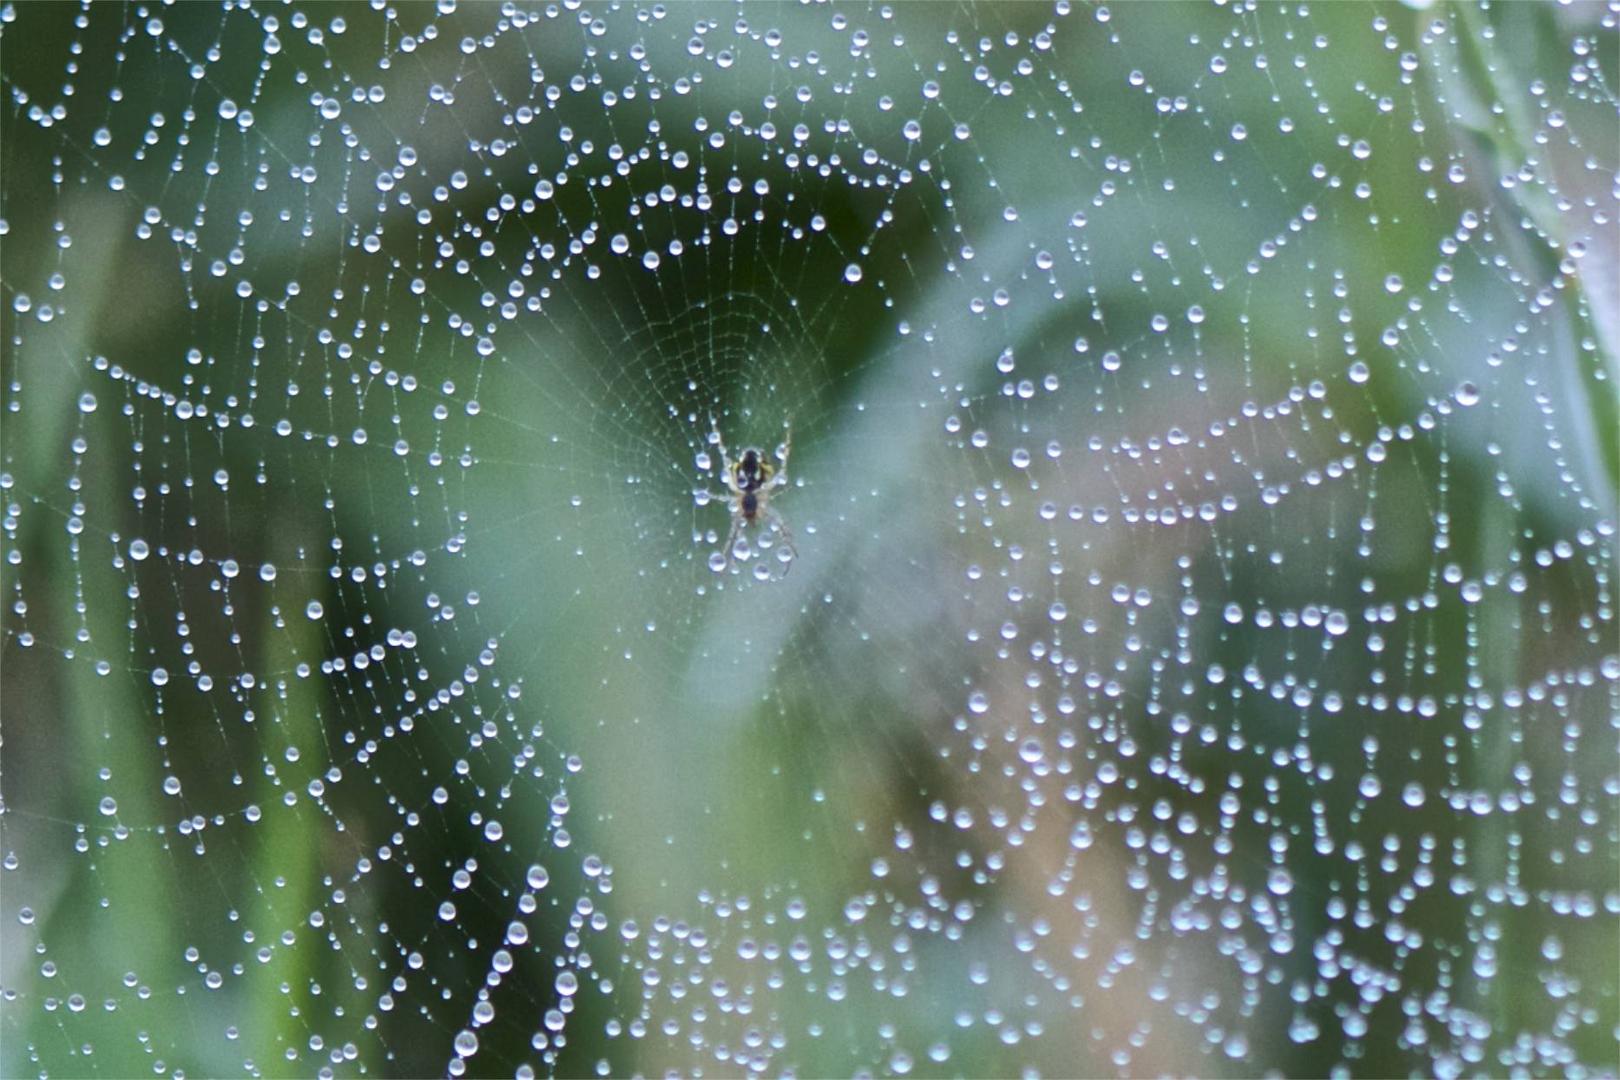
1200, 656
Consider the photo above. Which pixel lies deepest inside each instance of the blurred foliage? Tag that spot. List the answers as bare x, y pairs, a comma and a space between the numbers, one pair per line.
771, 742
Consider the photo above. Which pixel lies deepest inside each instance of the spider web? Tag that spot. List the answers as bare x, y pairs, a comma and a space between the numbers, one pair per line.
1199, 654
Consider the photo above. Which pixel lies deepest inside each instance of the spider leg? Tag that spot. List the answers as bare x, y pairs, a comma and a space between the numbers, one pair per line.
731, 540
776, 519
782, 452
725, 458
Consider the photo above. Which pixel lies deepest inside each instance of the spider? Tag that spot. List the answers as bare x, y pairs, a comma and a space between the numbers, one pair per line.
752, 479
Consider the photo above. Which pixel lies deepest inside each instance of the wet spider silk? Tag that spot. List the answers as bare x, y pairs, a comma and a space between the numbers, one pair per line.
1198, 653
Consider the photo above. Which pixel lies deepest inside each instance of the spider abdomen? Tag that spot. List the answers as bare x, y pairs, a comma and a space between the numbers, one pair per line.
750, 505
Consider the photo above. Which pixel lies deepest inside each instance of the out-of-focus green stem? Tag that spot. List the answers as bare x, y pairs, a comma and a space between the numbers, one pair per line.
1593, 311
